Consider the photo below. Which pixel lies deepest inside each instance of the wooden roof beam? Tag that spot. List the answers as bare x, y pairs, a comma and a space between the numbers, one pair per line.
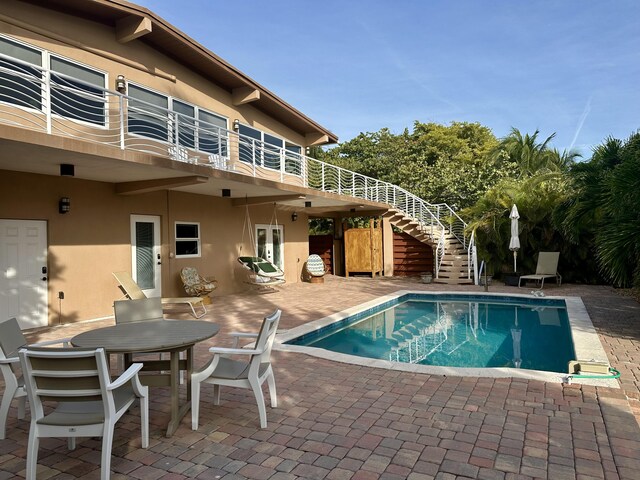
146, 186
131, 27
316, 139
241, 202
244, 95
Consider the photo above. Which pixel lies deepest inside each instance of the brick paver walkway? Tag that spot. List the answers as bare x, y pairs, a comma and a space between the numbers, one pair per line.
340, 421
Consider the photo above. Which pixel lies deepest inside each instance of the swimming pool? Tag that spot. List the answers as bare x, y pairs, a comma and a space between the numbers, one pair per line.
456, 334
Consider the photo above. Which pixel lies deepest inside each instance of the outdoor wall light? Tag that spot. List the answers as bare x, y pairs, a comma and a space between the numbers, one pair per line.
307, 204
294, 216
67, 170
236, 124
64, 205
226, 192
121, 85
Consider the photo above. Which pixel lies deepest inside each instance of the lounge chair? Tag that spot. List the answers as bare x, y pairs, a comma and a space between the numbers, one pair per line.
222, 370
133, 292
195, 284
263, 272
87, 402
315, 269
547, 268
12, 340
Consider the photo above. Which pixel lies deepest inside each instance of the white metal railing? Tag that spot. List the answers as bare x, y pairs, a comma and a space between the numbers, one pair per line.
39, 99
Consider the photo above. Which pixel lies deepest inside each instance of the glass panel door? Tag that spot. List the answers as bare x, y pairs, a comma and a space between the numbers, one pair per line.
270, 243
145, 253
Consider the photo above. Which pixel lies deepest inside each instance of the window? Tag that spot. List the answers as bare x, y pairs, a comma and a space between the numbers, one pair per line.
148, 113
212, 132
187, 239
80, 97
74, 99
266, 150
184, 124
20, 84
157, 116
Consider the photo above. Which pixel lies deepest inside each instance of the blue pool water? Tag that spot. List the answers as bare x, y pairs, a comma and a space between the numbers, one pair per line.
455, 331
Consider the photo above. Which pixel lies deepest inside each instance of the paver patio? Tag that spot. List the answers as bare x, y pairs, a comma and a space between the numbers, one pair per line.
341, 421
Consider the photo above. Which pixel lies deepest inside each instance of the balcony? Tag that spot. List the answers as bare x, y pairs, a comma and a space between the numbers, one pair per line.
41, 100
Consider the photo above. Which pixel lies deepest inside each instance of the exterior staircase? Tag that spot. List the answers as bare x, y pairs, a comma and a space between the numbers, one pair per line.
452, 259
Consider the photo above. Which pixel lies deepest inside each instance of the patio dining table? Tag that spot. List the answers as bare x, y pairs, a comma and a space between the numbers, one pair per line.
173, 336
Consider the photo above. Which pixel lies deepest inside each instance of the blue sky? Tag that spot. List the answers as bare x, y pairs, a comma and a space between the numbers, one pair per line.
565, 66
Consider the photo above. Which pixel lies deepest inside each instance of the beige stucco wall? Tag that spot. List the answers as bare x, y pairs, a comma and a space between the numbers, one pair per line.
86, 245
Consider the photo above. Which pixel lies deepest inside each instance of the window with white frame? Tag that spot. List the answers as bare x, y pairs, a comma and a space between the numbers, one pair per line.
187, 236
76, 91
161, 117
20, 83
266, 150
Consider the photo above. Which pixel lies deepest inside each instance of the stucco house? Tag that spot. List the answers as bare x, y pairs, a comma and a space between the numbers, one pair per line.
126, 145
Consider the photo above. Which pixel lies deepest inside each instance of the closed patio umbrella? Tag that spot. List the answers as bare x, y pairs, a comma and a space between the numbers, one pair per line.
514, 243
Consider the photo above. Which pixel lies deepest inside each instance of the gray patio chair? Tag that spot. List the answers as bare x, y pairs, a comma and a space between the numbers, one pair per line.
87, 402
222, 370
547, 267
12, 340
140, 310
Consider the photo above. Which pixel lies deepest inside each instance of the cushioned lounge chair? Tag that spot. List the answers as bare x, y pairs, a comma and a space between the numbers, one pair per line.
134, 292
263, 272
196, 284
547, 268
12, 340
87, 402
222, 370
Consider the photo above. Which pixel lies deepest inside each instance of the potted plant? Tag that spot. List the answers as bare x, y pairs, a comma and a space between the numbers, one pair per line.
426, 277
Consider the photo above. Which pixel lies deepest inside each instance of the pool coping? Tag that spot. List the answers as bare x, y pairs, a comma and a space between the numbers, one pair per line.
586, 343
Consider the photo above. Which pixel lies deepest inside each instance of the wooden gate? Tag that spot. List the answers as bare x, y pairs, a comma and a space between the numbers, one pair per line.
363, 250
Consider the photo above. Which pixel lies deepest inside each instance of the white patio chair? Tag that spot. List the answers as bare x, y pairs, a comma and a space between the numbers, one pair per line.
12, 340
222, 370
88, 403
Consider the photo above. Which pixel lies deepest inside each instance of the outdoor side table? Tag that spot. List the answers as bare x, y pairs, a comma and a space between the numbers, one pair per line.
172, 336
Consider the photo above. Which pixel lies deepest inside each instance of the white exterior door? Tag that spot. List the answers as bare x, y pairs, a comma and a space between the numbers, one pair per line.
145, 254
23, 272
270, 243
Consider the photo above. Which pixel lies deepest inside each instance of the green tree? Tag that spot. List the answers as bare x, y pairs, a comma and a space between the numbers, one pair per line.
604, 211
536, 181
439, 163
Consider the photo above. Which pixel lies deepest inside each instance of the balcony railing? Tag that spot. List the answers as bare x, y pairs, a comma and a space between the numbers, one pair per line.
40, 99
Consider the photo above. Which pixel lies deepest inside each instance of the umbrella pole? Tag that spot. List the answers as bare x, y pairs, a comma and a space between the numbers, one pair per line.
515, 254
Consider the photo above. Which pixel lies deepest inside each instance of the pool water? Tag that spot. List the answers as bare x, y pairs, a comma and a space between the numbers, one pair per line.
452, 331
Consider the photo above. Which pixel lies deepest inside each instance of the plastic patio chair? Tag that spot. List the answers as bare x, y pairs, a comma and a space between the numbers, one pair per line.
12, 340
195, 284
547, 268
134, 292
222, 370
88, 403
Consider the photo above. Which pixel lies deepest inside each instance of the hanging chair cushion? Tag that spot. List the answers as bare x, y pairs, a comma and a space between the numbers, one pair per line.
315, 266
260, 266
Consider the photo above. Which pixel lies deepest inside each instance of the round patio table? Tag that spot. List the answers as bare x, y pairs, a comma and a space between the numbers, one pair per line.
173, 336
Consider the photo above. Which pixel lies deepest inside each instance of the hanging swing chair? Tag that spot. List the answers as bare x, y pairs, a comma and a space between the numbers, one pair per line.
261, 272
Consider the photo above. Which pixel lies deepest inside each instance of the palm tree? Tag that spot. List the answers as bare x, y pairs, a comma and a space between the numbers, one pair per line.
529, 156
604, 211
